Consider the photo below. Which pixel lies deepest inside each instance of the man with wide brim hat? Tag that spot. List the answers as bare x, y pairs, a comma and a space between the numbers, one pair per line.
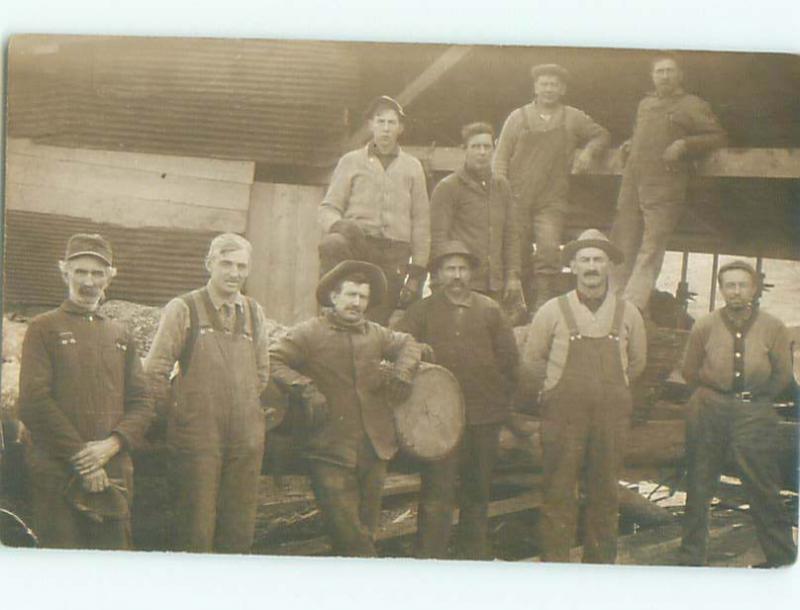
536, 153
330, 367
85, 399
583, 351
472, 338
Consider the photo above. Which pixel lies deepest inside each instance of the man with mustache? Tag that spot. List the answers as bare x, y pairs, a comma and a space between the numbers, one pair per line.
472, 338
672, 129
330, 366
215, 428
583, 349
376, 209
84, 398
535, 153
737, 361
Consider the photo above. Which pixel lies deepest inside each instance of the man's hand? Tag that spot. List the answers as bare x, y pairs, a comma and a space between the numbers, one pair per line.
350, 229
315, 407
674, 153
95, 454
583, 161
95, 481
397, 389
410, 293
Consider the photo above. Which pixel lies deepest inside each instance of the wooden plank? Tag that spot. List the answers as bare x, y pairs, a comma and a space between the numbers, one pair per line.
210, 169
122, 209
726, 162
306, 202
112, 181
419, 85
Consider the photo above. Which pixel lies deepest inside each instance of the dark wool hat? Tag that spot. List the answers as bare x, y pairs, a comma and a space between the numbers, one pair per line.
375, 277
592, 238
384, 101
451, 248
549, 69
85, 244
739, 264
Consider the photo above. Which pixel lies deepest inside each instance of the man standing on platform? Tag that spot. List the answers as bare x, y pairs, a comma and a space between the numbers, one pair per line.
672, 129
535, 152
377, 210
215, 429
84, 398
470, 337
330, 366
587, 347
737, 360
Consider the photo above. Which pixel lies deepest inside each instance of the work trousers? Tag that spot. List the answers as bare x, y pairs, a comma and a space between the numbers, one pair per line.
645, 220
350, 501
723, 430
542, 223
391, 256
58, 524
473, 462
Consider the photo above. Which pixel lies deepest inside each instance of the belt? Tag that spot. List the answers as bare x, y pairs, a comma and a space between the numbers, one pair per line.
743, 396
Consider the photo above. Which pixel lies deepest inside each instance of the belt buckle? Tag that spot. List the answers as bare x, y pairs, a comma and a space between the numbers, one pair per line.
745, 396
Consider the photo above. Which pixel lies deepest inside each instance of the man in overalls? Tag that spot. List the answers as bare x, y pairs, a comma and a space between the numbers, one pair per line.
535, 152
215, 428
737, 361
588, 346
673, 128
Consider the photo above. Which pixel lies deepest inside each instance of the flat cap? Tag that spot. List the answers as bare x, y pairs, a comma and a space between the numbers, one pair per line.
89, 244
551, 70
382, 102
739, 264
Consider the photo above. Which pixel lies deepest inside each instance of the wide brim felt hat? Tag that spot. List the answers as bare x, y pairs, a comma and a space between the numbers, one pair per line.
451, 248
375, 277
592, 238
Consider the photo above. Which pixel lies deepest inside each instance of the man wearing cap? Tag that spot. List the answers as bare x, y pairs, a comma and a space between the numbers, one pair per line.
737, 361
215, 426
475, 207
84, 398
583, 350
331, 367
471, 337
672, 129
535, 152
376, 209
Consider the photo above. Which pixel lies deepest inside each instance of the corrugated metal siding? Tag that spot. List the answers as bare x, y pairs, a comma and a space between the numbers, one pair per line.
154, 264
279, 102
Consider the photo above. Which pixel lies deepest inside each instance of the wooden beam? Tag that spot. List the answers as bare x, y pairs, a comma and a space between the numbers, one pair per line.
418, 86
724, 163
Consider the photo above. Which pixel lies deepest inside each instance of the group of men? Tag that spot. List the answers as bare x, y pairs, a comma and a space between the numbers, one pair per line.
87, 400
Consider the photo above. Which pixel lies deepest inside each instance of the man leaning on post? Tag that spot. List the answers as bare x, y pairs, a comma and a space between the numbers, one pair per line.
84, 398
587, 347
376, 209
215, 427
737, 361
331, 367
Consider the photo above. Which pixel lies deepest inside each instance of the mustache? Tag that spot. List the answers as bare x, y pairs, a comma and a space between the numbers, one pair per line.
86, 291
592, 274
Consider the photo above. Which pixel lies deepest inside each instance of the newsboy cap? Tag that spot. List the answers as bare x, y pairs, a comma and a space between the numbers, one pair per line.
739, 264
374, 274
86, 244
384, 101
452, 248
550, 70
592, 238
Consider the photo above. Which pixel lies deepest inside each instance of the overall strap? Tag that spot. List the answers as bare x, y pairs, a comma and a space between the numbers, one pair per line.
194, 329
255, 323
569, 317
616, 325
211, 312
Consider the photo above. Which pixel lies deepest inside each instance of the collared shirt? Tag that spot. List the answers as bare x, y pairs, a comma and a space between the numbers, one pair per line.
482, 216
385, 158
592, 303
546, 346
759, 351
472, 339
81, 380
390, 203
173, 332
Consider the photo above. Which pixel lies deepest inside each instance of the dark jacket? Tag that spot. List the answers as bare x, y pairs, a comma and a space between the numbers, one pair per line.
481, 215
343, 362
476, 343
81, 380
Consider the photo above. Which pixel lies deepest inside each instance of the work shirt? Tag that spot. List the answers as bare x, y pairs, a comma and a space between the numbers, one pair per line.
343, 362
475, 342
390, 203
547, 343
514, 161
173, 332
711, 359
480, 214
81, 380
